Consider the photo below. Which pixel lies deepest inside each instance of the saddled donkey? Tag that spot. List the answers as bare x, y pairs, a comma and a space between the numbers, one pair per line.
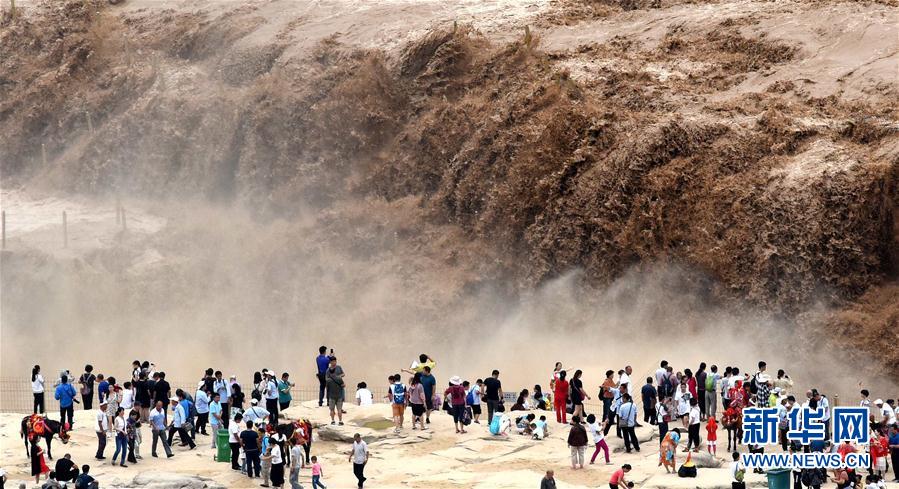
50, 429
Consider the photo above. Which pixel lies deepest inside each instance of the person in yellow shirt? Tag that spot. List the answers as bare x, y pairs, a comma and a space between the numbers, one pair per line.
423, 361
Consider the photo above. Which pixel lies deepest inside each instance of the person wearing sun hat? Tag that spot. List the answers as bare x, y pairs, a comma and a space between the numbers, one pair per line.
456, 394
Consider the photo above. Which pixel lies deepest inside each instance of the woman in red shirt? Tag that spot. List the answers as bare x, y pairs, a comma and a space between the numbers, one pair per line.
560, 398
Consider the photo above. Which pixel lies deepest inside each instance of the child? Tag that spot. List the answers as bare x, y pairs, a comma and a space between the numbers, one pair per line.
711, 429
266, 459
596, 429
363, 395
540, 428
317, 474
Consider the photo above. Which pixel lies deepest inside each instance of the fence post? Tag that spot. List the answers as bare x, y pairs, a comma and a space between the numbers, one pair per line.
65, 230
124, 224
4, 228
118, 210
90, 123
12, 9
44, 154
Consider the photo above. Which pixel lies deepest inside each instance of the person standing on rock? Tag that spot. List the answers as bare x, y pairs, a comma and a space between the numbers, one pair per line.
577, 442
65, 394
428, 383
398, 400
249, 442
560, 397
179, 419
648, 393
277, 471
86, 381
284, 396
359, 457
336, 389
234, 430
223, 389
321, 364
456, 394
271, 397
701, 376
296, 463
101, 426
157, 425
493, 394
711, 392
627, 420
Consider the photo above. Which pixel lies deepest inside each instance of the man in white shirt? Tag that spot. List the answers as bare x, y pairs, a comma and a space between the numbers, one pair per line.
359, 457
661, 373
624, 379
823, 405
179, 417
271, 397
627, 420
255, 413
157, 426
234, 431
223, 389
297, 462
101, 426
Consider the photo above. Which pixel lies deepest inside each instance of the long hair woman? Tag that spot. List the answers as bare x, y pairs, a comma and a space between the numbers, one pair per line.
37, 388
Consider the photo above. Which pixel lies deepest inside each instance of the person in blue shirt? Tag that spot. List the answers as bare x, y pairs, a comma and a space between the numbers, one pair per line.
321, 362
894, 450
65, 394
102, 388
84, 480
428, 382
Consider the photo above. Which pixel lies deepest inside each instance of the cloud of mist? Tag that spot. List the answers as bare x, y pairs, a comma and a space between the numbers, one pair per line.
219, 287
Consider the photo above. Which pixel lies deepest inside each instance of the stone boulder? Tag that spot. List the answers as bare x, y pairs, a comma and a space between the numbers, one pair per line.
167, 480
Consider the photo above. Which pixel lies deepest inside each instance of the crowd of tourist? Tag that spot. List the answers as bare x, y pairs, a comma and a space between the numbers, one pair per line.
682, 404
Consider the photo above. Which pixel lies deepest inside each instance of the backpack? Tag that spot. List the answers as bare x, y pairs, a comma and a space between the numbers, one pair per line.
710, 382
469, 398
754, 384
399, 393
667, 388
466, 416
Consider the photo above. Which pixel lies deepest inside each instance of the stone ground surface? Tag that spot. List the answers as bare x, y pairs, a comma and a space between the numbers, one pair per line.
437, 458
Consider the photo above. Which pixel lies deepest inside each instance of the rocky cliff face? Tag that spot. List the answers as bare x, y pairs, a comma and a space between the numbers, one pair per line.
605, 137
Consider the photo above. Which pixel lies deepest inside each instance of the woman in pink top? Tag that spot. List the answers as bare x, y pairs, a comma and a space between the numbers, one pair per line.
618, 481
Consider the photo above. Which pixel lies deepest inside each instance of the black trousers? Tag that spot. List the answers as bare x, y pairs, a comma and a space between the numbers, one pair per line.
39, 403
630, 438
71, 476
131, 457
183, 434
613, 417
101, 444
358, 471
308, 447
67, 411
693, 436
606, 408
894, 460
235, 455
202, 421
87, 400
701, 394
649, 413
254, 466
271, 405
321, 388
226, 414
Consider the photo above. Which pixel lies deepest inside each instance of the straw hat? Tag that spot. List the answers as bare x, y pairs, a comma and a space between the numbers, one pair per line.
455, 380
